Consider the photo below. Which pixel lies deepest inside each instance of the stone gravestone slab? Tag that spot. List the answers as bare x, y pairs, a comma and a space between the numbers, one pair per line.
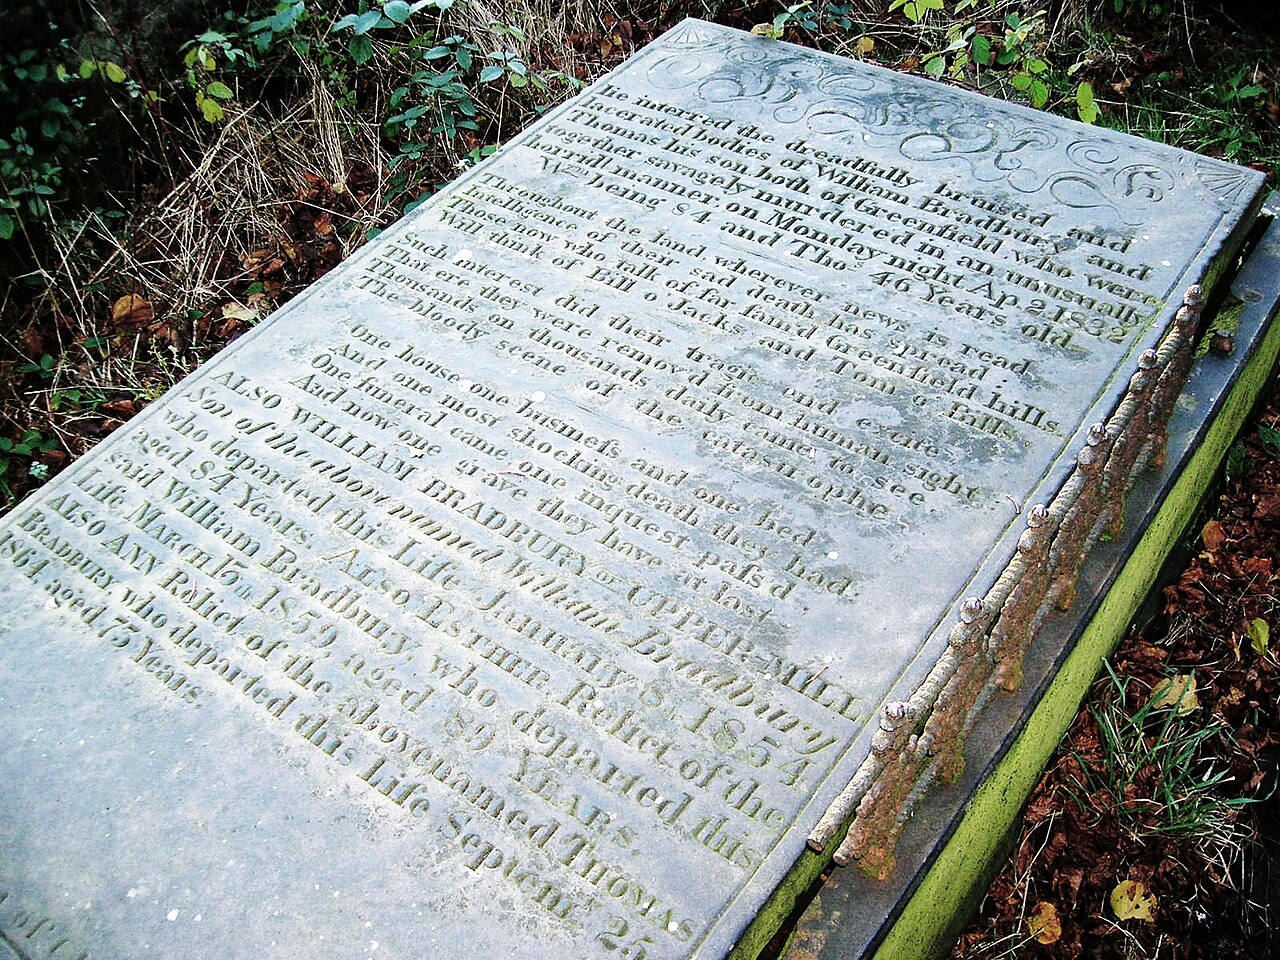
534, 583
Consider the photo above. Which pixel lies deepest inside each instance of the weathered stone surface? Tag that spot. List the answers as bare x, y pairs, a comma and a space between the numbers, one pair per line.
530, 584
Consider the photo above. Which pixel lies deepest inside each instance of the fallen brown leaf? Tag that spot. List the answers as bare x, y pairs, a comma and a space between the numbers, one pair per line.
32, 342
132, 311
1213, 535
121, 408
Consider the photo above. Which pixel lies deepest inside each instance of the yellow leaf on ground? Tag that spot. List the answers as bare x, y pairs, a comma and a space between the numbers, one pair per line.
1178, 692
1130, 901
1259, 636
1044, 923
234, 311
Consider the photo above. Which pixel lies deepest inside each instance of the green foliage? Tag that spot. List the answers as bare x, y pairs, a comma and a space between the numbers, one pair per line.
391, 15
1219, 105
1238, 89
1014, 58
837, 19
106, 69
1270, 440
437, 98
1154, 10
987, 44
916, 10
267, 32
1259, 634
43, 135
1238, 464
1155, 777
202, 68
1086, 107
801, 12
77, 399
1018, 55
45, 367
1229, 99
433, 87
13, 454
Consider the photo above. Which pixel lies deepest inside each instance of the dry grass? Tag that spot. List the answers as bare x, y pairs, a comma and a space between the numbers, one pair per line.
193, 246
546, 24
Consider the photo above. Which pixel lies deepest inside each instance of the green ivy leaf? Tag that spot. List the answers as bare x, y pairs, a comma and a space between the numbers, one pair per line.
212, 109
1039, 94
361, 49
490, 73
981, 50
113, 72
397, 11
1086, 108
285, 19
7, 226
220, 90
366, 22
935, 66
1021, 82
87, 69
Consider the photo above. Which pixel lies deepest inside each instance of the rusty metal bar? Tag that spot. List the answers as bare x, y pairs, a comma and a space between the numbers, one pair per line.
921, 740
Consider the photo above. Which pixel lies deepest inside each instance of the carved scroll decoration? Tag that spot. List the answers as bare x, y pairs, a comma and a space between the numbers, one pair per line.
829, 98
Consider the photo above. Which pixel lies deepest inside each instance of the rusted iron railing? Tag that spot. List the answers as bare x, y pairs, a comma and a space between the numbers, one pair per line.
921, 740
